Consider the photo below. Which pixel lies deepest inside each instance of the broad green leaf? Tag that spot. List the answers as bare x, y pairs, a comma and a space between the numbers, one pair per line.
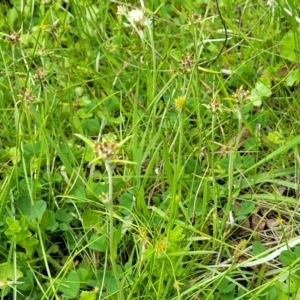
83, 275
7, 271
192, 166
83, 114
282, 296
290, 285
87, 295
98, 243
79, 192
92, 126
126, 200
225, 162
50, 221
63, 227
13, 226
70, 285
23, 202
112, 285
293, 77
248, 161
257, 248
29, 245
287, 257
12, 16
230, 287
255, 98
297, 252
63, 215
176, 234
223, 284
247, 207
287, 46
263, 88
84, 101
18, 229
55, 177
37, 209
276, 138
91, 220
270, 293
14, 155
27, 282
111, 104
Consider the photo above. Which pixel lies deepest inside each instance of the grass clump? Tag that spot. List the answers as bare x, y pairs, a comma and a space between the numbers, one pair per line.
149, 150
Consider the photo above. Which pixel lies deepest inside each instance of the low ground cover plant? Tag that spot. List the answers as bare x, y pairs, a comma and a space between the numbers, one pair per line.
149, 150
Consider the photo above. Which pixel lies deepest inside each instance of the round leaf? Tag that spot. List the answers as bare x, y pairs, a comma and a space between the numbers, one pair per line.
38, 208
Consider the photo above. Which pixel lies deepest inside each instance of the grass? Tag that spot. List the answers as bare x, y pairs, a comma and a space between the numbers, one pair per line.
147, 152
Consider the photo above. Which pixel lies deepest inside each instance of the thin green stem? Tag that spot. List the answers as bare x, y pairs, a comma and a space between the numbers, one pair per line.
113, 250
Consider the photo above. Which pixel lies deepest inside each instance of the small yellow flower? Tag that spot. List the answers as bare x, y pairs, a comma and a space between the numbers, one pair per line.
43, 26
243, 243
179, 103
160, 246
177, 284
279, 220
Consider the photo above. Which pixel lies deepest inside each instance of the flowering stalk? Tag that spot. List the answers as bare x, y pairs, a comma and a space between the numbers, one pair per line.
109, 207
106, 150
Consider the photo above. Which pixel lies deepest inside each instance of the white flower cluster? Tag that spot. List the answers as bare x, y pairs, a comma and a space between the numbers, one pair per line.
135, 17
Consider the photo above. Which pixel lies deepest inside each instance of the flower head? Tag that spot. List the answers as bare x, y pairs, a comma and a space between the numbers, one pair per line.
26, 95
107, 149
136, 16
40, 74
279, 220
177, 284
243, 243
187, 62
179, 102
14, 37
121, 10
240, 94
160, 246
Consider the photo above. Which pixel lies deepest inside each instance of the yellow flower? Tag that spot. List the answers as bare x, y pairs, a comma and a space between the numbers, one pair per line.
279, 220
177, 284
43, 26
160, 246
179, 103
243, 243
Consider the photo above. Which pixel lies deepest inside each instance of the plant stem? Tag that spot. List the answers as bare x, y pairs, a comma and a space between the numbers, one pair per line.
113, 254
